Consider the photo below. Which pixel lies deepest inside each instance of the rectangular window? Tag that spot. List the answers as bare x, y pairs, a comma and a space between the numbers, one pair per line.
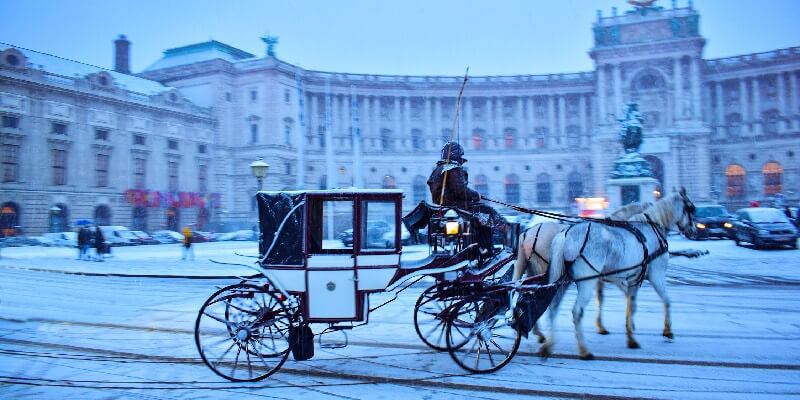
377, 225
287, 97
287, 133
138, 140
59, 128
139, 165
10, 162
10, 122
101, 134
201, 148
172, 175
59, 167
253, 95
227, 96
202, 178
330, 226
543, 193
288, 167
101, 170
253, 133
172, 144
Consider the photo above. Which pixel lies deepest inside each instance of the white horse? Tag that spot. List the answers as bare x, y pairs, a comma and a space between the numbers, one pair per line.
624, 253
533, 251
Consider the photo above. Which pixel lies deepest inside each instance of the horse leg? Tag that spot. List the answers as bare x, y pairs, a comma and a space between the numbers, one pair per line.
599, 321
546, 349
629, 310
539, 335
582, 300
661, 290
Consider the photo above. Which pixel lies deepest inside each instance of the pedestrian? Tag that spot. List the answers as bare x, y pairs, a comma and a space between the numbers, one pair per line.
83, 243
188, 251
99, 244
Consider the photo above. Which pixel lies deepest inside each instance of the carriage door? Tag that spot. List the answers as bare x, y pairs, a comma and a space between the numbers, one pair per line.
330, 264
378, 255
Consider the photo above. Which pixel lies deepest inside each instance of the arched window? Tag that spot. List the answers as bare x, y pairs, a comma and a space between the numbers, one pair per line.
139, 219
482, 185
420, 189
417, 142
573, 136
735, 176
512, 188
59, 218
541, 134
648, 80
389, 182
733, 124
771, 120
9, 219
173, 219
773, 178
574, 186
102, 215
543, 192
510, 137
477, 139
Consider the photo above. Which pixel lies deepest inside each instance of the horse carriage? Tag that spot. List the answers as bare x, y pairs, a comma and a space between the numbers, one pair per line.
308, 275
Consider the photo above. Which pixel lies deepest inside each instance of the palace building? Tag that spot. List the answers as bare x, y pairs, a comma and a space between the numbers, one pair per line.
173, 144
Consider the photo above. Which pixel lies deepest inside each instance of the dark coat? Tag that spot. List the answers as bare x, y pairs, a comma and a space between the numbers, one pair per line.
83, 236
456, 193
99, 241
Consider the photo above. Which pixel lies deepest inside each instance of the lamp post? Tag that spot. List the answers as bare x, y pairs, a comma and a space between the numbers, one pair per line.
259, 169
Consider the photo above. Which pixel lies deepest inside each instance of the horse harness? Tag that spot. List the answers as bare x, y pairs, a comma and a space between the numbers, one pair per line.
533, 248
634, 279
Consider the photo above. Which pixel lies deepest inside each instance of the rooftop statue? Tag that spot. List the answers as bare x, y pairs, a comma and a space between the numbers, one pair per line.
630, 133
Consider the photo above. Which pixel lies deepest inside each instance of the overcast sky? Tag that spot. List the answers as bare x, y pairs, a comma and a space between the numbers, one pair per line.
414, 37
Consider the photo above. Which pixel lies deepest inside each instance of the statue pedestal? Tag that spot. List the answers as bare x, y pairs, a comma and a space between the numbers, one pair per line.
623, 191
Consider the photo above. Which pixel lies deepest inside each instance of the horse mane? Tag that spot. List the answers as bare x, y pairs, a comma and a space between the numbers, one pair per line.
660, 213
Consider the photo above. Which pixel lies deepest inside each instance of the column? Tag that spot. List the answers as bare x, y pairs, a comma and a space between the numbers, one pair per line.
376, 122
792, 114
562, 121
780, 85
466, 119
531, 111
406, 122
618, 89
743, 102
429, 123
366, 122
498, 118
520, 114
697, 102
756, 106
720, 107
437, 120
313, 119
582, 124
551, 116
397, 122
678, 88
601, 95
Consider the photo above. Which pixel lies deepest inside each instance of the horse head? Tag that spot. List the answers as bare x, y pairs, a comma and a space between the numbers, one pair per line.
684, 213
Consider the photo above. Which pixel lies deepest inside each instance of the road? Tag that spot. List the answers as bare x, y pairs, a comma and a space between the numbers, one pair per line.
124, 332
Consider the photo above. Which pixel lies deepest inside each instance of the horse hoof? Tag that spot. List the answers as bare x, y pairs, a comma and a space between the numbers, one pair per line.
669, 335
542, 339
587, 356
545, 352
602, 331
633, 345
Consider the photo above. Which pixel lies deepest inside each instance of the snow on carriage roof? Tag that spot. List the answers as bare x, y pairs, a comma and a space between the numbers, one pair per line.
344, 191
72, 69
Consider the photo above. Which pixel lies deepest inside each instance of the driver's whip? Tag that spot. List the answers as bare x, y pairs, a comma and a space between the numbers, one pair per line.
455, 127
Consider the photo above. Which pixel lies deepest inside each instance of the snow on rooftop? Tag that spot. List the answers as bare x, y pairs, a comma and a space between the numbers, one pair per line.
194, 53
75, 69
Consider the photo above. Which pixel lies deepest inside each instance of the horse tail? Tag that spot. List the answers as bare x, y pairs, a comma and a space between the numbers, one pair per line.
556, 270
522, 258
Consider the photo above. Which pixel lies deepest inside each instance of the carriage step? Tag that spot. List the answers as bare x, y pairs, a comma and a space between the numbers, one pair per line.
331, 344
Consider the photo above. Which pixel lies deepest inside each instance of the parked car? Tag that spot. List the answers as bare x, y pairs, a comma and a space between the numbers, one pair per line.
405, 237
346, 236
710, 221
163, 237
62, 239
144, 238
42, 241
762, 226
177, 237
119, 236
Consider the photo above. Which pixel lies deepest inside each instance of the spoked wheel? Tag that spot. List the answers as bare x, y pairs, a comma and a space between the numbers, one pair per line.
430, 317
483, 341
242, 332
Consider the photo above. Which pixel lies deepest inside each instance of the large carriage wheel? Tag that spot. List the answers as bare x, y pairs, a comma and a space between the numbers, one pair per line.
490, 341
242, 332
431, 313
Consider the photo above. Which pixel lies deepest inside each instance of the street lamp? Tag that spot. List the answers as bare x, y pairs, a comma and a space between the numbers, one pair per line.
259, 169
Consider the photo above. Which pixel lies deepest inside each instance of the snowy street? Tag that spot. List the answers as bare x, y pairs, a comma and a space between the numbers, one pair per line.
123, 329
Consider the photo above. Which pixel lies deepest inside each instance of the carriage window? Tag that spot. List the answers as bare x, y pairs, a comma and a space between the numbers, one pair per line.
331, 226
378, 225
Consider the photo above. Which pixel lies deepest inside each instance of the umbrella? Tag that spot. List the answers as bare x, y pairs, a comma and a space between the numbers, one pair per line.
83, 222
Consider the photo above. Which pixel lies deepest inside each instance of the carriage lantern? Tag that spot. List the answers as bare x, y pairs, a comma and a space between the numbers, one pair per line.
452, 225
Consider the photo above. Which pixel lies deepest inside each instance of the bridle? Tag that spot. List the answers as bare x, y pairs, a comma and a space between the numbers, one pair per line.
688, 211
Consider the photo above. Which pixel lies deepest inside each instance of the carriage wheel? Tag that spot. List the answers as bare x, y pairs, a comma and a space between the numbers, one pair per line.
242, 332
431, 315
490, 341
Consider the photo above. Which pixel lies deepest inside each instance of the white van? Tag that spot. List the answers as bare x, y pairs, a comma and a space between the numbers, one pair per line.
119, 235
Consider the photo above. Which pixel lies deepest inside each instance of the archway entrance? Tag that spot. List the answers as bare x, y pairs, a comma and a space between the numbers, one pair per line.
9, 219
102, 215
59, 218
173, 219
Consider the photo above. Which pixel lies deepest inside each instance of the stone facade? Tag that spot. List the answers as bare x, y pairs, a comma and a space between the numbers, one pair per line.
726, 129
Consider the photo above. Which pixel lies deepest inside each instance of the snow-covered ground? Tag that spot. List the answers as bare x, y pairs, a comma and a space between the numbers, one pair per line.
123, 328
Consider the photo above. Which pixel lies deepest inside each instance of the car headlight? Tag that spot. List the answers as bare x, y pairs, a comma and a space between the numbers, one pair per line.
451, 228
728, 225
700, 226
